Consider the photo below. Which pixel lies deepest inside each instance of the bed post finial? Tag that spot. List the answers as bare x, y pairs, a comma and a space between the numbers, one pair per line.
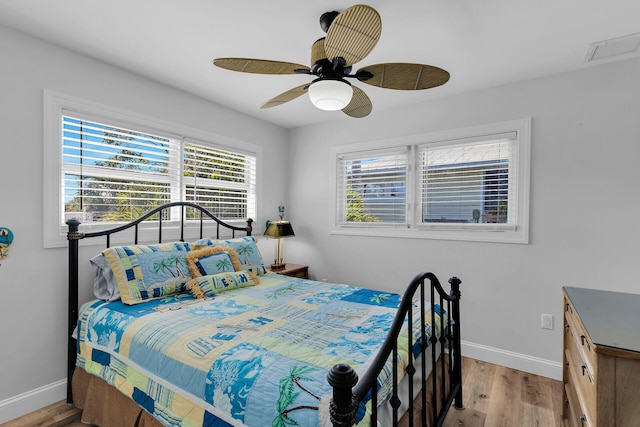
343, 404
455, 285
73, 233
249, 226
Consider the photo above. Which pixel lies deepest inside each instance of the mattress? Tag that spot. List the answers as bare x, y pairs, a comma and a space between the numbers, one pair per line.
252, 356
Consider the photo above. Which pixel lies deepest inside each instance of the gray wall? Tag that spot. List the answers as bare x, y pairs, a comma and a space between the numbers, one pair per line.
33, 280
585, 206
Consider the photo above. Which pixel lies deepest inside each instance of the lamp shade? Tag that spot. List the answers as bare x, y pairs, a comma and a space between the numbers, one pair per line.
330, 94
279, 229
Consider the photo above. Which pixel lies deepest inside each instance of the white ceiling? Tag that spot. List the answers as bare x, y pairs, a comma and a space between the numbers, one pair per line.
482, 43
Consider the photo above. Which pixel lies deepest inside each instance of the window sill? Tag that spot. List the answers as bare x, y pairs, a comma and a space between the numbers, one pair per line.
492, 234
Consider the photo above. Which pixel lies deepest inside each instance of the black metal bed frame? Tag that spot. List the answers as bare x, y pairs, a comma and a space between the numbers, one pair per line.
347, 390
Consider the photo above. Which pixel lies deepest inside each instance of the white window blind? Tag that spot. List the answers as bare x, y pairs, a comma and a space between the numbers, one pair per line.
459, 184
104, 165
222, 181
470, 182
114, 174
372, 187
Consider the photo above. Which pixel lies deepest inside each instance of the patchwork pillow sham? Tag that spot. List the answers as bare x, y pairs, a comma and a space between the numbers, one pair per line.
213, 260
145, 272
208, 286
245, 247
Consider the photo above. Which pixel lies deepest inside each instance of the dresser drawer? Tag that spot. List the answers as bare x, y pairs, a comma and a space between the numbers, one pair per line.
578, 402
585, 345
302, 274
570, 401
581, 371
293, 270
574, 415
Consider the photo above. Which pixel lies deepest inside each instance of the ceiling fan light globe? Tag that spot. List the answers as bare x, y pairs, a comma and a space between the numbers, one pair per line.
330, 95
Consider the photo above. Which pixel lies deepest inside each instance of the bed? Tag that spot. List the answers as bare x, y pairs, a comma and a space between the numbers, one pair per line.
200, 333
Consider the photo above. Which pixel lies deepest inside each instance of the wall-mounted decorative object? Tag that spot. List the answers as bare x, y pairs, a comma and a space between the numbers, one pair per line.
6, 237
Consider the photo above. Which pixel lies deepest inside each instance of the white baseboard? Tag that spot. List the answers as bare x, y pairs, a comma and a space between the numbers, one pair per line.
32, 400
521, 362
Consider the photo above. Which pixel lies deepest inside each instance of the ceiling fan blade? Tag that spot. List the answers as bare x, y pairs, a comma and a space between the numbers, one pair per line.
405, 76
287, 96
353, 34
360, 105
260, 66
318, 51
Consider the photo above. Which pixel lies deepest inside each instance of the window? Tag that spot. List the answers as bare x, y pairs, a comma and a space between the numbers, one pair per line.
114, 166
469, 182
466, 184
372, 187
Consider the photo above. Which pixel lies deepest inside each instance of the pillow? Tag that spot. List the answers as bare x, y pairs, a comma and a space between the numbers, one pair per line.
105, 286
215, 259
201, 263
245, 247
148, 272
208, 286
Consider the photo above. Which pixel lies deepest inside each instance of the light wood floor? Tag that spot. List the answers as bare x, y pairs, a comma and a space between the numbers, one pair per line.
494, 396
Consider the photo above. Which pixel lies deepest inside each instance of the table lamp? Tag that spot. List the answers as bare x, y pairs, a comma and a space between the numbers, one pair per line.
279, 230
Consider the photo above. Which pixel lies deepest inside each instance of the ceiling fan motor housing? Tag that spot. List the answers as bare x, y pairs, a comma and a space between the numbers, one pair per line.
321, 66
326, 19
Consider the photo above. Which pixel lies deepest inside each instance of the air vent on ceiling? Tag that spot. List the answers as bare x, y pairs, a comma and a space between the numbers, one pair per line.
617, 48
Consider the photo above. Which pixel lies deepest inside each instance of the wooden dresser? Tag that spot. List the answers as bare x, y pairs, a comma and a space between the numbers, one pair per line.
601, 374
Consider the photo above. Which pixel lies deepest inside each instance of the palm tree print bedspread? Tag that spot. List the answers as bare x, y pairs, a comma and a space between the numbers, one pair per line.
254, 356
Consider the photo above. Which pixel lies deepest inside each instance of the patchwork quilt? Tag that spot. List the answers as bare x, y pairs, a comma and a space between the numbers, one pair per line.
255, 356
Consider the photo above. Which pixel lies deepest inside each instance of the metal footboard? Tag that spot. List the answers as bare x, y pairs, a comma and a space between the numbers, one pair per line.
446, 375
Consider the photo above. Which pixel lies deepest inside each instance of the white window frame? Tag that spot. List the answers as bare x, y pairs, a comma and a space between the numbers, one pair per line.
517, 232
57, 104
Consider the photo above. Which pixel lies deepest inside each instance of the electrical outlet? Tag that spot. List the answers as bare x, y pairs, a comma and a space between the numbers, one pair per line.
546, 321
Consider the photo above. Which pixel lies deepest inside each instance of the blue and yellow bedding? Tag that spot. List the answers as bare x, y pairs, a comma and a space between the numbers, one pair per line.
255, 356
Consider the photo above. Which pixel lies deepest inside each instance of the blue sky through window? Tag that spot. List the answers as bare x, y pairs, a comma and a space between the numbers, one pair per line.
92, 145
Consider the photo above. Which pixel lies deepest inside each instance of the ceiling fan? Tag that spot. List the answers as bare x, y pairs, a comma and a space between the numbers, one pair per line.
351, 36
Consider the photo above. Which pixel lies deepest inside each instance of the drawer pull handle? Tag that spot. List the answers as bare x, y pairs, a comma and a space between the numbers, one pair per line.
566, 328
582, 420
583, 339
584, 368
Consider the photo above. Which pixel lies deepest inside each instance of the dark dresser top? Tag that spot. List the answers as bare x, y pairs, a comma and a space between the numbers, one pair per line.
612, 319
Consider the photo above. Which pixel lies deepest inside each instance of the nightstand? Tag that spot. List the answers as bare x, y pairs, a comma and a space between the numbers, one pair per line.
293, 270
